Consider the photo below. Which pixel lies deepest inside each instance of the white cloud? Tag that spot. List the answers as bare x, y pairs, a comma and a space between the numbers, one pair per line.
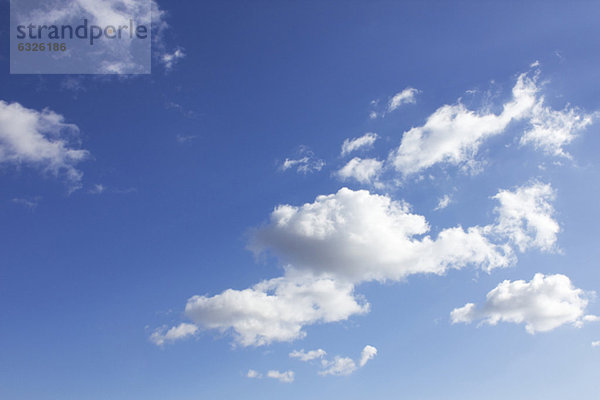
183, 330
286, 377
339, 366
358, 236
170, 59
551, 129
253, 374
453, 134
542, 304
367, 354
362, 170
275, 310
443, 202
404, 97
309, 355
345, 365
525, 216
40, 139
305, 163
354, 144
343, 239
596, 344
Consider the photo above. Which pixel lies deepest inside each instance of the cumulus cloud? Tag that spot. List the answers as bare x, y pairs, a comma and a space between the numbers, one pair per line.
183, 330
404, 97
365, 141
309, 355
275, 310
362, 170
453, 133
542, 304
40, 139
596, 343
357, 236
525, 215
305, 163
551, 129
349, 237
367, 354
285, 377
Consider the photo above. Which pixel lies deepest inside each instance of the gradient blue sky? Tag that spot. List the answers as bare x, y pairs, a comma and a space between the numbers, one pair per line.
190, 161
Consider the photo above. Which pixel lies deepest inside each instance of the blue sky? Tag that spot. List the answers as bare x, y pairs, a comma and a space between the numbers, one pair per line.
203, 179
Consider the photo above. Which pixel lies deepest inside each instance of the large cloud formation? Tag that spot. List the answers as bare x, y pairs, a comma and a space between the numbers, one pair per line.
542, 304
343, 239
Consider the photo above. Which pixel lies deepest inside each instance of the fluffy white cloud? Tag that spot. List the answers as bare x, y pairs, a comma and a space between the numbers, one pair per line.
453, 134
542, 304
358, 236
286, 376
365, 140
305, 163
443, 202
596, 343
367, 354
40, 139
343, 239
551, 130
275, 310
404, 97
309, 355
525, 216
363, 170
183, 330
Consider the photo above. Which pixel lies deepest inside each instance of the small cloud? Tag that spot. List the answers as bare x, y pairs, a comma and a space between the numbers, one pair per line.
534, 64
162, 334
309, 355
443, 202
286, 377
339, 366
97, 189
367, 353
364, 171
407, 96
170, 59
253, 374
365, 141
596, 343
305, 163
542, 304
